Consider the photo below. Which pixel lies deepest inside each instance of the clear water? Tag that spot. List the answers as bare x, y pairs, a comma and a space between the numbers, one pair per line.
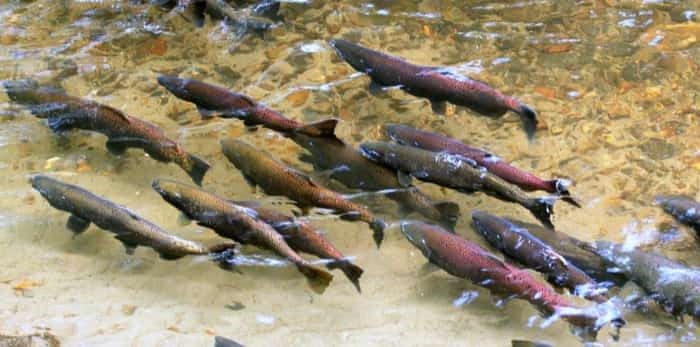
615, 83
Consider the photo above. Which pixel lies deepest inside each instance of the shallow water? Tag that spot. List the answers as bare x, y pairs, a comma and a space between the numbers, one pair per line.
615, 84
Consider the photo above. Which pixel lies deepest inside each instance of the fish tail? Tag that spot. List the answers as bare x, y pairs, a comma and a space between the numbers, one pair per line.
378, 226
529, 118
561, 187
223, 247
543, 209
351, 271
526, 343
324, 127
197, 168
319, 279
589, 323
449, 213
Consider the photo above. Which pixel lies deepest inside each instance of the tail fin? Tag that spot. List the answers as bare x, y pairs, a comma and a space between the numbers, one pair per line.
543, 209
197, 168
561, 187
449, 213
220, 341
529, 118
223, 247
378, 227
324, 127
318, 279
588, 323
351, 271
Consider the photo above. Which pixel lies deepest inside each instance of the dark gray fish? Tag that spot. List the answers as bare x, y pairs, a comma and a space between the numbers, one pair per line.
406, 135
525, 343
518, 244
65, 112
582, 254
674, 285
238, 223
129, 228
683, 208
354, 171
259, 168
456, 172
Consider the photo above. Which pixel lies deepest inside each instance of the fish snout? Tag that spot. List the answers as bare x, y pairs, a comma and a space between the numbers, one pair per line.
174, 84
413, 233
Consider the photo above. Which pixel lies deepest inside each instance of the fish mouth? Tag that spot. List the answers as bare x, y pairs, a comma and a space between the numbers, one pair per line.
412, 232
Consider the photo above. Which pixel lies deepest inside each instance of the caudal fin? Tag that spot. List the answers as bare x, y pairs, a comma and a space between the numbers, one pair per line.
319, 279
197, 168
561, 187
529, 118
587, 323
351, 271
324, 127
543, 209
378, 227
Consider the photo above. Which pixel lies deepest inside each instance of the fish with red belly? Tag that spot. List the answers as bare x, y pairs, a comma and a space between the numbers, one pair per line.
434, 83
212, 100
64, 112
406, 135
462, 258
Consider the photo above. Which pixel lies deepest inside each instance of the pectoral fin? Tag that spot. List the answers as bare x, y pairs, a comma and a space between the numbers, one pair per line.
116, 147
77, 225
439, 107
405, 179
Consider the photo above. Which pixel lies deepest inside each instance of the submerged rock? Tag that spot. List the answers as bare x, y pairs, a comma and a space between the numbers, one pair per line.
35, 340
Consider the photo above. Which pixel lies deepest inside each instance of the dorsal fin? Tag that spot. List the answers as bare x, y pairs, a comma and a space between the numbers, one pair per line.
118, 113
300, 174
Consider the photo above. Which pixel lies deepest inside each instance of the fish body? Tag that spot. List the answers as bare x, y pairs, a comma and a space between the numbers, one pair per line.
303, 237
456, 172
259, 17
236, 222
518, 244
129, 228
579, 253
434, 83
674, 285
211, 99
276, 179
683, 208
65, 112
354, 171
464, 259
408, 136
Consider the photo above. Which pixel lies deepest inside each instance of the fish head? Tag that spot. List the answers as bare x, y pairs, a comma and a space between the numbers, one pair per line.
416, 233
490, 227
397, 133
170, 190
175, 85
238, 152
374, 151
43, 184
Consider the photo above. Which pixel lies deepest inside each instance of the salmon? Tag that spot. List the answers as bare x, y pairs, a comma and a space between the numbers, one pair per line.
237, 223
518, 244
408, 136
437, 84
212, 100
462, 258
456, 172
354, 171
580, 253
260, 169
683, 208
674, 285
303, 237
65, 112
129, 228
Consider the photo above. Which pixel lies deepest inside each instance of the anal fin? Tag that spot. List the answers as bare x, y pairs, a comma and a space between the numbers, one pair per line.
116, 147
439, 107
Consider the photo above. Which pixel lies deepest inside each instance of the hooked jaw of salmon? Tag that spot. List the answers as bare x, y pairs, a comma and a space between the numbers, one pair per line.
415, 236
484, 224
